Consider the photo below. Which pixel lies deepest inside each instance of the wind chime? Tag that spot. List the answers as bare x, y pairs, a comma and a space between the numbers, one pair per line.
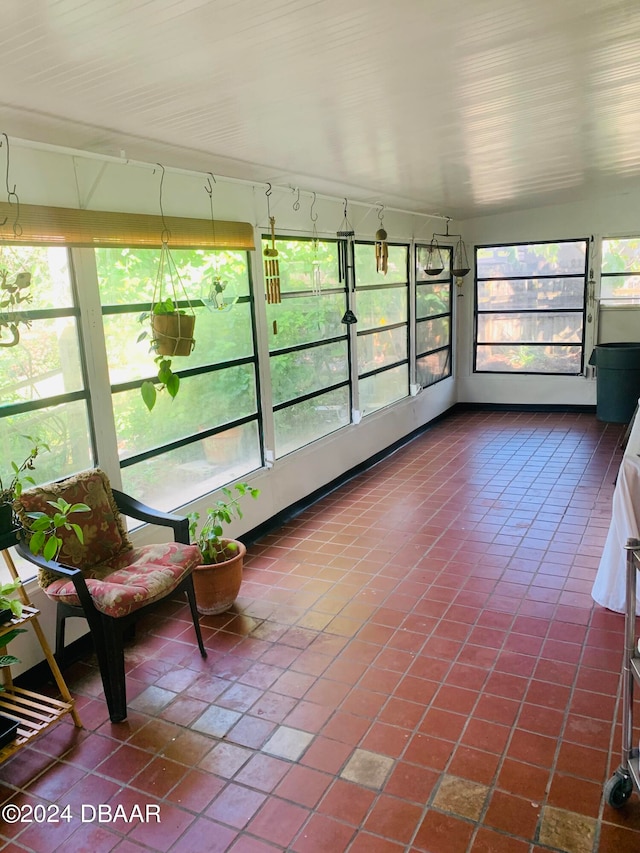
382, 250
316, 280
345, 236
271, 262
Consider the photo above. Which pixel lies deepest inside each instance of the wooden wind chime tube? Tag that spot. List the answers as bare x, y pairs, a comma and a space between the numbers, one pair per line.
272, 268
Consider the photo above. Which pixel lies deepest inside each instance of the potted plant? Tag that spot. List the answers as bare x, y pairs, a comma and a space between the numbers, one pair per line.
9, 607
11, 487
217, 581
172, 329
172, 334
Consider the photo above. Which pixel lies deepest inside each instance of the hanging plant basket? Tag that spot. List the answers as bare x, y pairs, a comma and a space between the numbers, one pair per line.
172, 324
173, 333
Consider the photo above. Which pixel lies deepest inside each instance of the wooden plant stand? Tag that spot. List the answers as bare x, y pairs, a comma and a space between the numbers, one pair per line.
34, 712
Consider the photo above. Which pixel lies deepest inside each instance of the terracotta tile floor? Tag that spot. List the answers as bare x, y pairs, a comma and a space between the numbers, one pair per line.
415, 664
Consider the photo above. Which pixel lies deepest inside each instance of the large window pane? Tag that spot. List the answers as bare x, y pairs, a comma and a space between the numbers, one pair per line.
298, 373
44, 365
302, 423
433, 367
366, 273
375, 308
384, 388
382, 330
220, 336
531, 259
379, 349
64, 428
301, 365
545, 327
529, 299
530, 293
186, 473
45, 362
207, 399
529, 359
620, 279
213, 391
433, 299
434, 311
306, 265
305, 319
432, 334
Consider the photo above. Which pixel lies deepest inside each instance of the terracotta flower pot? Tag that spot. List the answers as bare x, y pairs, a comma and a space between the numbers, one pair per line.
217, 586
173, 333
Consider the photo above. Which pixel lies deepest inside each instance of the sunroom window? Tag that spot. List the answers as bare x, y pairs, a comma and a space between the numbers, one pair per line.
382, 330
209, 434
530, 306
433, 319
308, 346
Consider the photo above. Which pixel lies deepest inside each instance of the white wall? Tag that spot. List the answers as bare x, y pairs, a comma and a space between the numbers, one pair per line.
609, 217
60, 178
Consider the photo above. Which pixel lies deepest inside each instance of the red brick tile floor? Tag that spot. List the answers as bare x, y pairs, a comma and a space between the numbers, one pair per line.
414, 664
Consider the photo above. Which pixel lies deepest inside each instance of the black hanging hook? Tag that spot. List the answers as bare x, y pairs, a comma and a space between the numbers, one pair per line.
209, 186
314, 216
268, 192
5, 220
209, 190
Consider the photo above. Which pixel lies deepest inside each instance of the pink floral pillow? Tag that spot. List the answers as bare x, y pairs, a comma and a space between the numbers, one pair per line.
103, 529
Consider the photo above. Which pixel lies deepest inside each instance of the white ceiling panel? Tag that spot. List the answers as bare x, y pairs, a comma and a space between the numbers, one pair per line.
463, 109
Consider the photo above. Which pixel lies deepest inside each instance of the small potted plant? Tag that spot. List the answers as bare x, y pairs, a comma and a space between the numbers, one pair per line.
172, 329
9, 607
217, 581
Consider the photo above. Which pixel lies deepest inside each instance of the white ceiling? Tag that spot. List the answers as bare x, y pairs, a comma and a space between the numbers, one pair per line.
462, 108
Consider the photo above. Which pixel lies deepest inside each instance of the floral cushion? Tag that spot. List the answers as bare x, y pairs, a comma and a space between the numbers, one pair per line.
132, 579
104, 532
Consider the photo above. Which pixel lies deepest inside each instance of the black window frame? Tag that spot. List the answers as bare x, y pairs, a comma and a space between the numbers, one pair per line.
476, 312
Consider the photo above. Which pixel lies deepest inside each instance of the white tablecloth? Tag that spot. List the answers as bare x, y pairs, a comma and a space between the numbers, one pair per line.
609, 588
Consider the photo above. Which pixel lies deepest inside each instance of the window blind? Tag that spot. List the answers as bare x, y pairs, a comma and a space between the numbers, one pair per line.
65, 226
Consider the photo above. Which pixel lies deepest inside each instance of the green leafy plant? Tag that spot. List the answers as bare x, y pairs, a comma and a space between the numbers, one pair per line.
166, 378
209, 539
15, 606
12, 604
11, 487
43, 527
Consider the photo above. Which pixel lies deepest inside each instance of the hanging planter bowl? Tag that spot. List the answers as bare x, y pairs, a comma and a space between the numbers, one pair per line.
460, 262
435, 262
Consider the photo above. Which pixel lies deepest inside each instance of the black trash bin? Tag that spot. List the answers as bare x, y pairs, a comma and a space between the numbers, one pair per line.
617, 381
